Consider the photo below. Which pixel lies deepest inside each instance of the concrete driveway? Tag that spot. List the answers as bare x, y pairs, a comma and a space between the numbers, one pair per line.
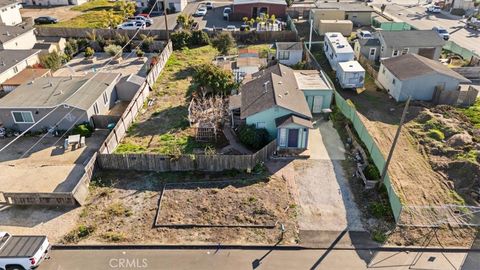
416, 16
321, 190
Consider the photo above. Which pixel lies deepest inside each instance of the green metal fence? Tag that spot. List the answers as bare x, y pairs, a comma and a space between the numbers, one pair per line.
351, 113
455, 48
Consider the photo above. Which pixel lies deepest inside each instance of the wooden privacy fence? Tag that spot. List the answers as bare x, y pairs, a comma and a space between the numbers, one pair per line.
163, 163
128, 116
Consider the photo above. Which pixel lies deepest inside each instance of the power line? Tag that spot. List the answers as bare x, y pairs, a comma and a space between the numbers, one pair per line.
66, 64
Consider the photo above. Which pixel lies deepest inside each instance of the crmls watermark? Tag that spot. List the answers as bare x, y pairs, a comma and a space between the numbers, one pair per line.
124, 263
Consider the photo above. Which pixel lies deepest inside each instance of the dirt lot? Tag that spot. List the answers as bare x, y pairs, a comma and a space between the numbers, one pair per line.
62, 13
122, 207
416, 182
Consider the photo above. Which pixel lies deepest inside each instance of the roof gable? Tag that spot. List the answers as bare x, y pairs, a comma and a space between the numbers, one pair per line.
410, 65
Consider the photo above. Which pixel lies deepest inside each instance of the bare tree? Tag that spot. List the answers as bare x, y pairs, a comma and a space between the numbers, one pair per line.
208, 112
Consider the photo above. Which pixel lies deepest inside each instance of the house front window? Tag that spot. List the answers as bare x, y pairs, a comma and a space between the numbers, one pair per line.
283, 55
260, 125
405, 51
393, 81
282, 140
25, 117
15, 69
395, 52
95, 108
105, 98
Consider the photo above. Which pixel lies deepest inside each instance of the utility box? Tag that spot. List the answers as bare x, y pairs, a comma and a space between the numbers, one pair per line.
351, 75
345, 27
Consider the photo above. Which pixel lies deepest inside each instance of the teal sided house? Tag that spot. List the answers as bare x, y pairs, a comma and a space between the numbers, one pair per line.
282, 101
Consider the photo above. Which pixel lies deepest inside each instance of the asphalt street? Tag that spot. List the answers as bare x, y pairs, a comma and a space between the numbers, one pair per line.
250, 259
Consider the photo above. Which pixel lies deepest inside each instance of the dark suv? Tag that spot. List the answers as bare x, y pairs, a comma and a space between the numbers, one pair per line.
45, 20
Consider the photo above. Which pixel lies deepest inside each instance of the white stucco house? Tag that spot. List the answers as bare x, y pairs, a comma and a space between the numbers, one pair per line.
289, 53
20, 37
177, 5
416, 76
10, 12
14, 61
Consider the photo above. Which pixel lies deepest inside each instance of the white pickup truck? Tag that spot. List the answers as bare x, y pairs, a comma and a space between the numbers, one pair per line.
18, 252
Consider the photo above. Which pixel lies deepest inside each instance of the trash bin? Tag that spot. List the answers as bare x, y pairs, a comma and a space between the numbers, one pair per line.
326, 114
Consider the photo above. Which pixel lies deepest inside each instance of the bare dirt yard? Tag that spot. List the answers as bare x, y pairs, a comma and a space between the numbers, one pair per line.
122, 207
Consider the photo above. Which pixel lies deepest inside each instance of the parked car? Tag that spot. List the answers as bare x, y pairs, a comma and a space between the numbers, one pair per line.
363, 34
442, 32
209, 5
434, 9
147, 20
226, 12
201, 11
133, 25
45, 20
22, 252
231, 28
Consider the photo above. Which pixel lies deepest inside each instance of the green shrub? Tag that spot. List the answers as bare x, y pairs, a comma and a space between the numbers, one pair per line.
200, 38
51, 60
139, 53
253, 137
82, 231
371, 172
379, 236
379, 210
113, 236
83, 129
113, 50
436, 134
181, 39
89, 52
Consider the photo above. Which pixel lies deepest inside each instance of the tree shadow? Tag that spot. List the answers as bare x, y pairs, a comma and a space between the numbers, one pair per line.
160, 122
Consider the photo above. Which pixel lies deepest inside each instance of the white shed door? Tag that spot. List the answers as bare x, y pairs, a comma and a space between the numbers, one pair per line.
317, 104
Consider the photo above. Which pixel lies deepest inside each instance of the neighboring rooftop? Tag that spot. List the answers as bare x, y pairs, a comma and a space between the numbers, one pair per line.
49, 92
248, 51
273, 86
43, 46
413, 65
289, 46
243, 2
371, 42
345, 6
8, 2
412, 38
10, 58
27, 75
8, 32
292, 119
311, 80
339, 42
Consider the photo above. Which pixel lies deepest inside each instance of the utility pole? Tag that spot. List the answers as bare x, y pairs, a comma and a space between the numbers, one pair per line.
394, 144
311, 32
166, 20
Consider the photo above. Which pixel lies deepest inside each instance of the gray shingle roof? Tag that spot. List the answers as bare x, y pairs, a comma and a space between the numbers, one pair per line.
10, 58
274, 86
289, 46
293, 119
49, 92
7, 2
413, 65
371, 42
8, 32
412, 38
